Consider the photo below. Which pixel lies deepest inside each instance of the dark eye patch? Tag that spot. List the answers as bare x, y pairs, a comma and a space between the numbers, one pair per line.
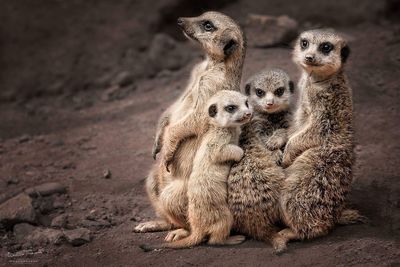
279, 91
247, 89
259, 92
208, 26
326, 47
247, 103
304, 43
231, 108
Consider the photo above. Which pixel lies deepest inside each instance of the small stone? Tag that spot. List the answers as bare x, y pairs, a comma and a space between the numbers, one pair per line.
123, 79
24, 138
23, 230
46, 189
12, 180
59, 203
107, 174
267, 31
46, 236
17, 209
60, 221
96, 224
78, 236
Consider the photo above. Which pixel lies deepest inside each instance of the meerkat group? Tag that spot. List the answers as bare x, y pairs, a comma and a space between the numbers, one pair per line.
287, 166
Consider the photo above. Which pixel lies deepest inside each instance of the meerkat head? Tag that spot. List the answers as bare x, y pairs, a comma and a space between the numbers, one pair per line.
219, 35
269, 91
320, 52
229, 109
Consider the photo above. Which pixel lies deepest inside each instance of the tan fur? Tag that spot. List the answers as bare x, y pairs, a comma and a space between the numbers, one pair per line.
319, 153
219, 71
208, 212
254, 183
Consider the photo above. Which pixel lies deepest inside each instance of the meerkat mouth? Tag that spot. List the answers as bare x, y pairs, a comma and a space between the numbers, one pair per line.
189, 36
311, 64
244, 119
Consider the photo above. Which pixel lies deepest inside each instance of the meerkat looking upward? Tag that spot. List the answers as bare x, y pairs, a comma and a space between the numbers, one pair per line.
208, 212
318, 156
223, 42
254, 183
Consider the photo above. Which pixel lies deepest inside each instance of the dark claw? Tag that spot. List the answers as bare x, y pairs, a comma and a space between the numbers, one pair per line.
156, 150
167, 163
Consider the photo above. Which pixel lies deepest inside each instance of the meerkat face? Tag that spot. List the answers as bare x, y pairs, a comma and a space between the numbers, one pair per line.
217, 33
320, 52
269, 91
229, 109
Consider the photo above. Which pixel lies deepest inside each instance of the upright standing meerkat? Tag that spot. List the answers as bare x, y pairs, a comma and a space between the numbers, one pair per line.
254, 183
208, 212
318, 156
223, 42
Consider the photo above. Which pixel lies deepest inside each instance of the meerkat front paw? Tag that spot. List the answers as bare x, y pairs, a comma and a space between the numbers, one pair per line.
275, 142
238, 154
177, 235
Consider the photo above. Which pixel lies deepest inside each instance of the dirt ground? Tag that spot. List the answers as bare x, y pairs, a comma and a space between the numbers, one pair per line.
84, 82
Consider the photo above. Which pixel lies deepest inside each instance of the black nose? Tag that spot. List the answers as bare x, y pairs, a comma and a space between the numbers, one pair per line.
309, 58
180, 21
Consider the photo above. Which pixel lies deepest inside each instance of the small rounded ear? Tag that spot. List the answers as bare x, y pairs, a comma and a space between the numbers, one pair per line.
247, 89
230, 47
291, 87
212, 110
344, 53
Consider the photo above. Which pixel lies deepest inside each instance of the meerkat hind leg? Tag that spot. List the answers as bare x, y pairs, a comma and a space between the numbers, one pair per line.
153, 226
177, 235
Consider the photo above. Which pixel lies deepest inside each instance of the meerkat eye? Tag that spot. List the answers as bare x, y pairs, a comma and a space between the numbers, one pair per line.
279, 91
260, 93
247, 103
326, 48
303, 43
208, 26
231, 108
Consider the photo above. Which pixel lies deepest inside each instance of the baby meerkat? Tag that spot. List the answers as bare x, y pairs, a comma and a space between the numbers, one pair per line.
208, 212
318, 156
254, 183
224, 45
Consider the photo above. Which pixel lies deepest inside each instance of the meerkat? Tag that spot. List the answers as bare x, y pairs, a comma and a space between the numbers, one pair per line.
223, 42
254, 183
208, 212
318, 156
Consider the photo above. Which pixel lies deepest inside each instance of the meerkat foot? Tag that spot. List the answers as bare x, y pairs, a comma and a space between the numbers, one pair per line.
279, 244
231, 240
177, 235
153, 226
289, 234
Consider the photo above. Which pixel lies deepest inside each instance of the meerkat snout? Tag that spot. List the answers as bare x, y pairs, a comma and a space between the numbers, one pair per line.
320, 52
269, 91
229, 109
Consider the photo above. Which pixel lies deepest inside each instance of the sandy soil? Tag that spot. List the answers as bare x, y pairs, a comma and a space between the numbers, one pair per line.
60, 121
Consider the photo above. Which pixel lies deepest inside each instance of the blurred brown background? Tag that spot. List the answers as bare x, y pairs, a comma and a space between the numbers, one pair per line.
82, 84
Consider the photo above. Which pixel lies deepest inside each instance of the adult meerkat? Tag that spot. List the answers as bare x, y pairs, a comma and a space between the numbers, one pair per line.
254, 183
208, 212
223, 43
318, 156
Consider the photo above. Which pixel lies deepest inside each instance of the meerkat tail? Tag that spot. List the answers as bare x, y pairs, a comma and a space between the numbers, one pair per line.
351, 216
187, 242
